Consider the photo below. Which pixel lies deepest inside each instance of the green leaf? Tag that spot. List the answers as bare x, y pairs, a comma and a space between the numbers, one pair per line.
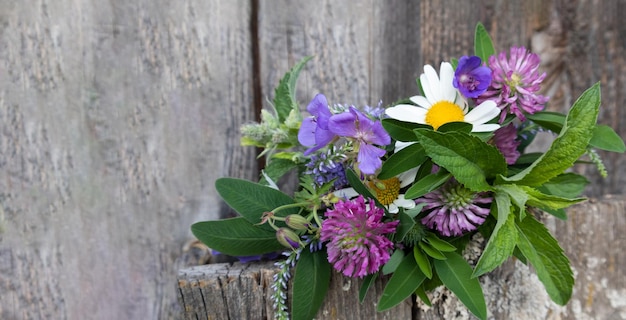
569, 145
310, 284
404, 160
406, 224
276, 168
456, 126
567, 185
431, 251
516, 194
285, 93
469, 159
423, 261
549, 202
421, 293
367, 283
427, 184
402, 284
502, 240
359, 187
236, 237
400, 130
251, 199
456, 275
393, 262
483, 46
439, 244
605, 138
547, 257
550, 120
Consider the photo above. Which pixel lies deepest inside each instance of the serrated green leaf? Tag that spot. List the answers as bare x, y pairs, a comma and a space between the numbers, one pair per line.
605, 138
439, 244
285, 93
516, 194
402, 284
423, 261
367, 283
431, 251
404, 160
251, 199
427, 184
456, 275
569, 145
546, 201
502, 240
394, 262
547, 257
400, 130
567, 185
483, 46
469, 159
456, 127
310, 284
236, 237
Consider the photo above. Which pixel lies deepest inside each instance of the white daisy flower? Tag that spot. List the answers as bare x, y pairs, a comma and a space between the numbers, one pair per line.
442, 103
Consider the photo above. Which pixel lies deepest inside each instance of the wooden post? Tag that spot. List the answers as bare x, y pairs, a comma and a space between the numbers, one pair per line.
513, 291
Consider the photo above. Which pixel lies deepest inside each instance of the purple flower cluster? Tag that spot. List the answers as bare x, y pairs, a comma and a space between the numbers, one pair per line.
515, 83
505, 139
357, 245
325, 167
322, 127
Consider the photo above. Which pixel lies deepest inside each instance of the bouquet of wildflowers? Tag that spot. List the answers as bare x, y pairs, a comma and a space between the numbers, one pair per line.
400, 190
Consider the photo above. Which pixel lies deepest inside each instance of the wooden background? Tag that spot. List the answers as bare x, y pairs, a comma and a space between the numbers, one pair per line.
117, 116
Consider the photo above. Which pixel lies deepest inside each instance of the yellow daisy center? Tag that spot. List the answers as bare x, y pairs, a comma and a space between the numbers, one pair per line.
443, 112
387, 191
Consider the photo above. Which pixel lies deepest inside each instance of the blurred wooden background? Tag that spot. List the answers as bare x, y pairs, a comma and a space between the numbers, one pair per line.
117, 116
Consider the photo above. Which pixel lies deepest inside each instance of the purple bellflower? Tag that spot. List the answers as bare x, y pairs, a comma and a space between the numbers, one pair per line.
471, 78
314, 132
366, 133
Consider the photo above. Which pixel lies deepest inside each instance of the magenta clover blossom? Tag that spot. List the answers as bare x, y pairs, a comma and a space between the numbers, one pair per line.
471, 77
366, 133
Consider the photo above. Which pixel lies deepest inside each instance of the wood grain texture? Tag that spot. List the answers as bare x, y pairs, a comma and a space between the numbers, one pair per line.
114, 121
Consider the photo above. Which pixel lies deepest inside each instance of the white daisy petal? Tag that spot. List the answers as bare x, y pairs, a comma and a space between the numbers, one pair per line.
489, 127
433, 84
428, 94
347, 193
407, 113
401, 145
421, 101
404, 203
483, 113
446, 75
392, 208
407, 177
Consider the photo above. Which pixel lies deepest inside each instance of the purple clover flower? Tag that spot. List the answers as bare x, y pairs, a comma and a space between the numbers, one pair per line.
454, 209
314, 132
356, 233
366, 133
471, 78
515, 83
505, 139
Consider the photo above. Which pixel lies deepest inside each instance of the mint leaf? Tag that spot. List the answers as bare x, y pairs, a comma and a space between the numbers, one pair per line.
483, 46
310, 284
470, 160
456, 275
285, 93
236, 237
550, 263
569, 145
402, 284
567, 185
547, 201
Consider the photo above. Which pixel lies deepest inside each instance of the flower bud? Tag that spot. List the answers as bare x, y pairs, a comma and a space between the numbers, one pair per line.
288, 238
297, 222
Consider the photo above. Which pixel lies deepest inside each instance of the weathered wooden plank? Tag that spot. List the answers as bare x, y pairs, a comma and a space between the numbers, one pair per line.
512, 291
115, 119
